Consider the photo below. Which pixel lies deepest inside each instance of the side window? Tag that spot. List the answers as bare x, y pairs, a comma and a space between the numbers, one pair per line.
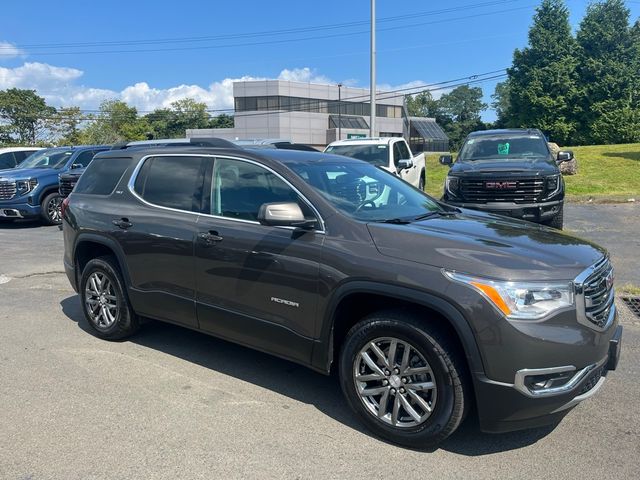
7, 160
173, 182
404, 151
397, 155
20, 156
84, 158
238, 190
102, 176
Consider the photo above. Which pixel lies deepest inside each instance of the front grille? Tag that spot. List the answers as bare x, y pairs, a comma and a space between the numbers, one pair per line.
66, 186
7, 190
598, 293
517, 190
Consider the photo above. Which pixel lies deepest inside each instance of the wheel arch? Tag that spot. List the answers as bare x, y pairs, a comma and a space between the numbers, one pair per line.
368, 297
89, 246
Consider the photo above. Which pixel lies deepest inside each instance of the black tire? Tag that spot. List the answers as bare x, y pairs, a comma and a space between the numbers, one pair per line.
421, 182
557, 221
125, 321
448, 372
50, 209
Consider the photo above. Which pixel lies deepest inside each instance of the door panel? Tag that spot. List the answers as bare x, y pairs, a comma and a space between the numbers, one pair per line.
256, 284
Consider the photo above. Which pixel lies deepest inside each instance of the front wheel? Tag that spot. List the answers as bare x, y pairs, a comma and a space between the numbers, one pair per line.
404, 379
557, 221
50, 212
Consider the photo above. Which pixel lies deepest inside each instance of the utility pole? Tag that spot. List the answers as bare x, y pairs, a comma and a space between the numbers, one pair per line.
339, 111
372, 88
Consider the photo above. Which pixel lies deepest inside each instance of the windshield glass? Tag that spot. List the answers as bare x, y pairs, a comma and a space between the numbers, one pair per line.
51, 158
512, 147
377, 155
365, 192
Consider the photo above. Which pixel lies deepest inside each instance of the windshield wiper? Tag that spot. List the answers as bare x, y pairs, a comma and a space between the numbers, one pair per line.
395, 221
439, 213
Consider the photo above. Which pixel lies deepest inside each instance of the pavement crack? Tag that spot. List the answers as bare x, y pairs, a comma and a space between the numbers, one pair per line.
39, 274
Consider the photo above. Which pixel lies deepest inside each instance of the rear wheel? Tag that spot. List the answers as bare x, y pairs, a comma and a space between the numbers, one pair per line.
50, 211
403, 379
557, 221
104, 300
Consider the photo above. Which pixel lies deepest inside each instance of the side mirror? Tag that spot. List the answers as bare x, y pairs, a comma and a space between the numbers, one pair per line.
404, 164
564, 156
446, 160
285, 214
76, 165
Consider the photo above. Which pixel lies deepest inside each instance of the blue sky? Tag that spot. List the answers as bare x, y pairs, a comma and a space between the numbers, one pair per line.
423, 47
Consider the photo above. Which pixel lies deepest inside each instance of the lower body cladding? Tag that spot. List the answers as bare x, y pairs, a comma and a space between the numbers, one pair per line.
542, 396
535, 212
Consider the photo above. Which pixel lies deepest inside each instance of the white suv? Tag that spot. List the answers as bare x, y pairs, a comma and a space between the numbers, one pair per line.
12, 156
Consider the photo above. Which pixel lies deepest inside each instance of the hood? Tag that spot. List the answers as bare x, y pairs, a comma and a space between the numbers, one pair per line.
24, 173
75, 173
488, 245
511, 167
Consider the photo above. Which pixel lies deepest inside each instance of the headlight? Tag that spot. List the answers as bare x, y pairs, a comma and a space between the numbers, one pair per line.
451, 184
553, 185
521, 300
25, 186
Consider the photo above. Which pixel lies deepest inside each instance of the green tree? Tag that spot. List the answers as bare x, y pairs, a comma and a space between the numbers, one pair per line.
608, 73
423, 105
116, 122
64, 126
182, 115
542, 82
501, 104
222, 121
461, 109
23, 117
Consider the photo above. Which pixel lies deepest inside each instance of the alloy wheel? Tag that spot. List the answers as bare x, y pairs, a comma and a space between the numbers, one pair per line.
53, 209
101, 301
395, 382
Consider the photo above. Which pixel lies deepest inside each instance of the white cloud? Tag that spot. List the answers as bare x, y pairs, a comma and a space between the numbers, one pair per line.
9, 50
61, 86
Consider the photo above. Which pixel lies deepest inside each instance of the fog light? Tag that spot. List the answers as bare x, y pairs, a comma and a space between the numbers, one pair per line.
543, 382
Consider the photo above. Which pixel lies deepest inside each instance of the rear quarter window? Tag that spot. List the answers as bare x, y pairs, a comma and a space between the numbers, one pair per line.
102, 176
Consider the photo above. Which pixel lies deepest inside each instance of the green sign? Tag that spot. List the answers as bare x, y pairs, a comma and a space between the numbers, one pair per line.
356, 135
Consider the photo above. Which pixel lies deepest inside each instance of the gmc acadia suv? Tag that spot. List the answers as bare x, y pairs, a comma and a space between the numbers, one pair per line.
424, 309
510, 172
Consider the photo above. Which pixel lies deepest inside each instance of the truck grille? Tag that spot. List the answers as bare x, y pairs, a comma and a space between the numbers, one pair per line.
66, 185
7, 190
598, 294
518, 190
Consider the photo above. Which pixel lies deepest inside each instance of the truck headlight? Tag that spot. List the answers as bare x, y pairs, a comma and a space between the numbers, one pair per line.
25, 186
553, 185
521, 300
451, 184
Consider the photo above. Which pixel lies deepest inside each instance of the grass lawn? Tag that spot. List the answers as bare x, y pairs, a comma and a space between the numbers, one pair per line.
605, 173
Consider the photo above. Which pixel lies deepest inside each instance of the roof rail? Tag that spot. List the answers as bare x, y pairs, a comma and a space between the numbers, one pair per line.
176, 142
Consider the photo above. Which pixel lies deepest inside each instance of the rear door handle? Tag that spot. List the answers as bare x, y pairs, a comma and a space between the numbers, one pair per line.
210, 237
123, 223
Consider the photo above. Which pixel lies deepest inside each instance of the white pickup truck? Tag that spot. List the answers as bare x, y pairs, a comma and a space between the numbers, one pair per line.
391, 153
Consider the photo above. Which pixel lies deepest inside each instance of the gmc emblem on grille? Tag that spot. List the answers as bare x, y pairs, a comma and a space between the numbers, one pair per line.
501, 185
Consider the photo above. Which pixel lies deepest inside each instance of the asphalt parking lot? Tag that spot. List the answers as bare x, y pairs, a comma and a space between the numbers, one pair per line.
172, 403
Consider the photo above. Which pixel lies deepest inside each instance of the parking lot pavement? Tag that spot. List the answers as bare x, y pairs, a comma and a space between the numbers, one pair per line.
615, 227
172, 403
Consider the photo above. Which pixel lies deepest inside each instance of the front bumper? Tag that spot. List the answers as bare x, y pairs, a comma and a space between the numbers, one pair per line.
505, 407
533, 212
19, 210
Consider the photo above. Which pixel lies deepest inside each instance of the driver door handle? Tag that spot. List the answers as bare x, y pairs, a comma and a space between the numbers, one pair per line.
210, 237
123, 223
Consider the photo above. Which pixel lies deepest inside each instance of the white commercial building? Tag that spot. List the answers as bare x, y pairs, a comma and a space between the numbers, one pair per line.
316, 114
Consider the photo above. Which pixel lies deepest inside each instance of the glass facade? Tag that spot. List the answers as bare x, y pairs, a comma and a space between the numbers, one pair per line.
313, 105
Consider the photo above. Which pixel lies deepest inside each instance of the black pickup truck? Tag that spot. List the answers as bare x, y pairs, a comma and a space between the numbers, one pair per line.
510, 172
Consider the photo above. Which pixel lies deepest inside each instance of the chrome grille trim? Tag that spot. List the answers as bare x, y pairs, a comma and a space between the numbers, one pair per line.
7, 190
595, 296
527, 190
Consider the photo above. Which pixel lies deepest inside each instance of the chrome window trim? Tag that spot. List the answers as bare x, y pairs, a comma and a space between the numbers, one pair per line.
136, 171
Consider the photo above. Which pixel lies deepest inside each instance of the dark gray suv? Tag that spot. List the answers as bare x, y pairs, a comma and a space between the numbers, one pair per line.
424, 310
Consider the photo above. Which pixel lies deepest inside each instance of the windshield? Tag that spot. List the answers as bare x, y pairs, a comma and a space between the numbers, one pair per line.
377, 155
51, 158
512, 147
365, 192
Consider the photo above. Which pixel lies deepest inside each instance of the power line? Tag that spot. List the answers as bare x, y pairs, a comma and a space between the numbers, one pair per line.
257, 34
273, 42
